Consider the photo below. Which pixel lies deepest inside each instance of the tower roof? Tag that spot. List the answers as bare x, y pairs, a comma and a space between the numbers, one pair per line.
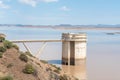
74, 36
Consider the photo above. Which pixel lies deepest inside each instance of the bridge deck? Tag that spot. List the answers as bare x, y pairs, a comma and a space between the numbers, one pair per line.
19, 41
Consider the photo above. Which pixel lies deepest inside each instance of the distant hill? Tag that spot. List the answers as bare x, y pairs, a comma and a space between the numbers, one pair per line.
63, 26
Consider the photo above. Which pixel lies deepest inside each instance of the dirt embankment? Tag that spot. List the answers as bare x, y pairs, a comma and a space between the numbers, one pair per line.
11, 65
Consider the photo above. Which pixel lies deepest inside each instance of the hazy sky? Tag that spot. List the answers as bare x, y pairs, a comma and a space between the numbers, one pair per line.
52, 12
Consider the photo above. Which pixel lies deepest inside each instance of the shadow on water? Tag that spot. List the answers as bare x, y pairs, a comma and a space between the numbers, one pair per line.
55, 61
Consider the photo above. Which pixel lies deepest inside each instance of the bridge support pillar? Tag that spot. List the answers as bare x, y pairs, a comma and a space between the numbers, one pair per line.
73, 48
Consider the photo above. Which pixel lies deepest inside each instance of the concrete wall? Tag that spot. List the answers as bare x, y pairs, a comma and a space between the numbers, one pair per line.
80, 50
73, 48
65, 52
72, 52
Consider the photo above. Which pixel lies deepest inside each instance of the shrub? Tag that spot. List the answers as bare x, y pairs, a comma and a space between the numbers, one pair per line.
35, 73
6, 78
1, 54
10, 65
57, 71
43, 61
2, 49
23, 57
64, 77
29, 69
21, 52
29, 54
7, 44
76, 79
49, 69
2, 39
15, 46
58, 68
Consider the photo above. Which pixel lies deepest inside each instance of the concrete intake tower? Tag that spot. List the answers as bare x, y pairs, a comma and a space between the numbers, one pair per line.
73, 48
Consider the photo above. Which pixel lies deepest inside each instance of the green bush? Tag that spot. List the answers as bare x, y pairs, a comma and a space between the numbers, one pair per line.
15, 46
2, 49
23, 57
2, 39
7, 44
1, 54
6, 78
29, 69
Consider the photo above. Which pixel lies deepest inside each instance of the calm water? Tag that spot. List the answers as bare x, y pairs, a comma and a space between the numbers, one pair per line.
103, 51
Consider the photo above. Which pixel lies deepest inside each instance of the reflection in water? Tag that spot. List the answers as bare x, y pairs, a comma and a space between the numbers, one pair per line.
78, 71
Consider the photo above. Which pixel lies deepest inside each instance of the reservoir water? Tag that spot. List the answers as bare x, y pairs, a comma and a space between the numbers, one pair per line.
103, 50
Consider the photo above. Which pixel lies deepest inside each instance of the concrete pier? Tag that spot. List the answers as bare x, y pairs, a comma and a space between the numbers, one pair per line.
73, 48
